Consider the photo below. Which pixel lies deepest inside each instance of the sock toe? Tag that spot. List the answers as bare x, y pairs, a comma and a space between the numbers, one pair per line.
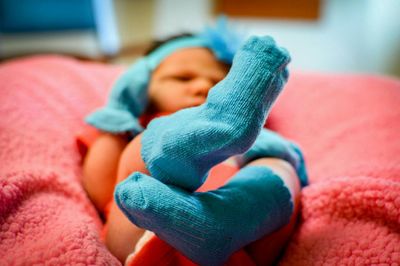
129, 196
275, 57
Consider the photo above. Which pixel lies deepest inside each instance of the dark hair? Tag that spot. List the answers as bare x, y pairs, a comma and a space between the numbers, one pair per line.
158, 43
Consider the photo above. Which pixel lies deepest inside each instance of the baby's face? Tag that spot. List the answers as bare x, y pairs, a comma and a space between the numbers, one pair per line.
184, 78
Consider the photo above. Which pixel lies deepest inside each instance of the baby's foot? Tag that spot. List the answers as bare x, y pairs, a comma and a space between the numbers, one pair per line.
271, 144
181, 148
208, 227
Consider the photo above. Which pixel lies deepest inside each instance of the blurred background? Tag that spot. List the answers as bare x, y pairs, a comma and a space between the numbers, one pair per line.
342, 36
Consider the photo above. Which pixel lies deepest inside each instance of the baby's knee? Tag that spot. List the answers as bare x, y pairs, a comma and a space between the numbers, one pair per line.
131, 160
285, 171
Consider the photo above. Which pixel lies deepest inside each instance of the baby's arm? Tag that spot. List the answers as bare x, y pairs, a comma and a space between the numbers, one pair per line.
122, 235
100, 168
109, 161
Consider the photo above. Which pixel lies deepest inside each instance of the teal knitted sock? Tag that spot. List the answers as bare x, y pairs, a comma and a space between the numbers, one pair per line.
181, 148
271, 144
208, 227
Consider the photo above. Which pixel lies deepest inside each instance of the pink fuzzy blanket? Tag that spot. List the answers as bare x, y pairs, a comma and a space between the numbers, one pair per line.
348, 127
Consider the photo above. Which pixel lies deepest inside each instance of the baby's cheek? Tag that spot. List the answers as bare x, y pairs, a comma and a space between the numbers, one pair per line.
195, 100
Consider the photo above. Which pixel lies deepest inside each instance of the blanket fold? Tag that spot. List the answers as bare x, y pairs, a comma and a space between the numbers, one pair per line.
45, 215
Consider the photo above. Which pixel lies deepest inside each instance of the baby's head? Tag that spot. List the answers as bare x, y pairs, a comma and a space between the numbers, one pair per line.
175, 75
184, 77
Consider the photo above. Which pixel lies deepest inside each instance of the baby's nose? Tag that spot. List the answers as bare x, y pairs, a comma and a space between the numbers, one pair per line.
200, 86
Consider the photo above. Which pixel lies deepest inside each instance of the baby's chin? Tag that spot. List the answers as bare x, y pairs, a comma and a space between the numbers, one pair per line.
173, 108
194, 105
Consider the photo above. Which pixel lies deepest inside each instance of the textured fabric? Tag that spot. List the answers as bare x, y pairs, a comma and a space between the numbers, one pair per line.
45, 215
208, 227
196, 139
348, 128
271, 144
346, 125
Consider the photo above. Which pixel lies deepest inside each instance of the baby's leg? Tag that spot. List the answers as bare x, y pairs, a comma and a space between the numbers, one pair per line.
196, 139
100, 168
273, 243
208, 227
122, 235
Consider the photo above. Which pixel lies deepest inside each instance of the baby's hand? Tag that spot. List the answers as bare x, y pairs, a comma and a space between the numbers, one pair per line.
271, 144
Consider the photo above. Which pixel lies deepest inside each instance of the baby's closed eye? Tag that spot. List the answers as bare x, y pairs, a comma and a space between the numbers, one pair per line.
182, 77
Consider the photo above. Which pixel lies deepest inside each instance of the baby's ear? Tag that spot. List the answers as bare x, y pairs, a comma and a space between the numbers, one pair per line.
127, 101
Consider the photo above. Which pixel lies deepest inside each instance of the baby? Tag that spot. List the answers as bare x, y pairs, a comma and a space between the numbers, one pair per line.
217, 97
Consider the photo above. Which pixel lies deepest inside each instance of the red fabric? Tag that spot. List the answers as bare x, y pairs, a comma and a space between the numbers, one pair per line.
45, 215
167, 255
85, 139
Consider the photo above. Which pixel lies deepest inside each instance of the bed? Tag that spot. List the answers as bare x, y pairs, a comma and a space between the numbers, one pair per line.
347, 125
